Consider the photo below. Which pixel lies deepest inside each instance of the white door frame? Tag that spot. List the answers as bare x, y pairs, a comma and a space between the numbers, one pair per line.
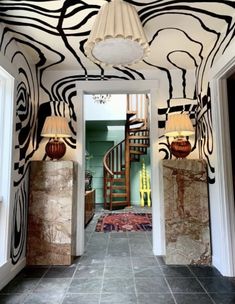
222, 207
122, 87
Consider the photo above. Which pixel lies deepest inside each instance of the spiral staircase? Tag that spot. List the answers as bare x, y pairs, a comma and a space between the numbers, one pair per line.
117, 160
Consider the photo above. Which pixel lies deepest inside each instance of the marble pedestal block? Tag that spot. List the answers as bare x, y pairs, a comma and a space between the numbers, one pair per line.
51, 237
187, 226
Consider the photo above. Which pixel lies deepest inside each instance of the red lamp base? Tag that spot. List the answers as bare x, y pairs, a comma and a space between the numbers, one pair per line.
55, 149
180, 148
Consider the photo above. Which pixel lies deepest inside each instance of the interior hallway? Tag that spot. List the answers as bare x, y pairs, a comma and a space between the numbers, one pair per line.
119, 268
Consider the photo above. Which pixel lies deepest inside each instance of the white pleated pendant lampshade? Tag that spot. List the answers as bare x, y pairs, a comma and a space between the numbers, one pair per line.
117, 36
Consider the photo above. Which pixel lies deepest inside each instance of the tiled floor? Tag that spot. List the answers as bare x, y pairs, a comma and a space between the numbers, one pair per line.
119, 268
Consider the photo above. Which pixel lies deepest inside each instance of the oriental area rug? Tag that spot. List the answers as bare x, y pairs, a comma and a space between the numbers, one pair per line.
121, 222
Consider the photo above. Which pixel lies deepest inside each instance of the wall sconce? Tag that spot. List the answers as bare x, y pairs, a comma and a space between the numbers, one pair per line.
117, 36
179, 126
55, 127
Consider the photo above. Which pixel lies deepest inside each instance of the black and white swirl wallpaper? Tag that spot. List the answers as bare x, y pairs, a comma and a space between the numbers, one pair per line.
45, 40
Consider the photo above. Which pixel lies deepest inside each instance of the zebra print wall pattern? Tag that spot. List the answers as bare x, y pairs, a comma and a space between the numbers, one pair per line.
45, 40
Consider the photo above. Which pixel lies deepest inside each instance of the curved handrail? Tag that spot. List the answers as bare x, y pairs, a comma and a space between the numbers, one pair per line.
106, 156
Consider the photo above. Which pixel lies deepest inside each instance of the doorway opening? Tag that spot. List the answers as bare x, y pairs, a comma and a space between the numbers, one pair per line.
122, 87
106, 147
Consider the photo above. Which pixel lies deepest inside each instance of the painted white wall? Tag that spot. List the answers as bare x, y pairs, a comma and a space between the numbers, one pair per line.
159, 91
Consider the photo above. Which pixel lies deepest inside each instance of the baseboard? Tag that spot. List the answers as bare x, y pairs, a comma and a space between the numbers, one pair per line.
9, 271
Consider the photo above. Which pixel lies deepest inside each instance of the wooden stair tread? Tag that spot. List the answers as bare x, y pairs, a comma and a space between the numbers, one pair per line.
135, 120
138, 145
137, 129
138, 137
119, 203
119, 172
119, 194
131, 112
137, 152
142, 130
118, 187
116, 180
119, 180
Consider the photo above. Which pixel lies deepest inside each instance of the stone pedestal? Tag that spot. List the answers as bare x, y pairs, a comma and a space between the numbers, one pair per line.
52, 213
187, 225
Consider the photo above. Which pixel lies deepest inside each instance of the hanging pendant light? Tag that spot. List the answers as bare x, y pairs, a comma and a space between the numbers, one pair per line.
117, 36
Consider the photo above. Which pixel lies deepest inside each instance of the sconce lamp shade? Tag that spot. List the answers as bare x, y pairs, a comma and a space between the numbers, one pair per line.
55, 127
178, 126
117, 36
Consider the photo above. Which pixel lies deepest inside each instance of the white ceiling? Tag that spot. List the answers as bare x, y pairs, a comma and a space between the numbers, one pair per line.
180, 33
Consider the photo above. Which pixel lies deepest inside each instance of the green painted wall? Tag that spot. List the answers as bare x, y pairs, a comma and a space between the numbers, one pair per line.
97, 143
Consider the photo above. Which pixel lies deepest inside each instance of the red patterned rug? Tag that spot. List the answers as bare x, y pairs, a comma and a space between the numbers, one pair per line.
124, 222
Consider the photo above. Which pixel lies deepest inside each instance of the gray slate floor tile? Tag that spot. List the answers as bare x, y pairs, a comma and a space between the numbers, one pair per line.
223, 298
193, 298
116, 285
176, 271
155, 298
52, 285
20, 286
12, 298
85, 285
144, 261
44, 298
186, 285
120, 272
218, 284
81, 299
118, 298
148, 272
89, 271
146, 285
205, 271
60, 272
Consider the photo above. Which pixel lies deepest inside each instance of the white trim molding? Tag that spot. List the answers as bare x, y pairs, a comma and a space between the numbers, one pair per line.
122, 87
6, 160
222, 205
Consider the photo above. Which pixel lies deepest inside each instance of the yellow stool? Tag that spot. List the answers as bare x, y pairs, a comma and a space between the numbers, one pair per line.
144, 186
